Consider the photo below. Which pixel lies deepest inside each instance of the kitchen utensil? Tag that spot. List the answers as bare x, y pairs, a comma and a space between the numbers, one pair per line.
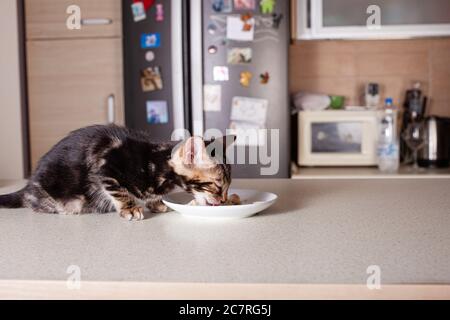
253, 202
436, 152
415, 138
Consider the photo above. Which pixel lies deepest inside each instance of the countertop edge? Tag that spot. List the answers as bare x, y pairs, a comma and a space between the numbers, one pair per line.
23, 289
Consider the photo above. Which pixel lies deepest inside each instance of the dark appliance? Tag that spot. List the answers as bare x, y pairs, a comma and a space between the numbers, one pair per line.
436, 151
414, 109
172, 55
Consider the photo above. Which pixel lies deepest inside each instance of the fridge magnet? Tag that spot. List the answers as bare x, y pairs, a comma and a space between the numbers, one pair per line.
248, 118
147, 3
224, 6
150, 56
246, 78
151, 79
157, 112
212, 28
276, 20
212, 50
264, 78
159, 12
246, 18
267, 6
244, 4
150, 40
239, 56
220, 73
212, 97
250, 110
138, 11
239, 30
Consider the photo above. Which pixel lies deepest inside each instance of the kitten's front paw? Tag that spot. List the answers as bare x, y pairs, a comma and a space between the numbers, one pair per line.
135, 213
157, 207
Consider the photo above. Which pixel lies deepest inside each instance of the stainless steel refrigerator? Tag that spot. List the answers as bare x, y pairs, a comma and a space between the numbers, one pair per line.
198, 65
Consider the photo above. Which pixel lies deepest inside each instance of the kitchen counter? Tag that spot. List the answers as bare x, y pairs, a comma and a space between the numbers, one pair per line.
317, 241
404, 172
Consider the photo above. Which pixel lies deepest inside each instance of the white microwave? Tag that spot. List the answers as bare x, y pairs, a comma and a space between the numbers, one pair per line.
337, 138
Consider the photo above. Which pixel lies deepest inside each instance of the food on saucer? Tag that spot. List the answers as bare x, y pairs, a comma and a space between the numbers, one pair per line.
233, 200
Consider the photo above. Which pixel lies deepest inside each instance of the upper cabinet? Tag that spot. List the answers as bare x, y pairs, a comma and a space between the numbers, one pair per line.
371, 19
47, 19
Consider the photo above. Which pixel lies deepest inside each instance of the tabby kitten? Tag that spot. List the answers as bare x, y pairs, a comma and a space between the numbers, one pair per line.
102, 169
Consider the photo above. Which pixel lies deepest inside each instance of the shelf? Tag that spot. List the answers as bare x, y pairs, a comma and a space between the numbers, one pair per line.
308, 173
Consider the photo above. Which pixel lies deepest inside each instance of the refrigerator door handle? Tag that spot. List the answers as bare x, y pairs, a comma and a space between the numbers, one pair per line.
177, 71
111, 109
197, 66
96, 22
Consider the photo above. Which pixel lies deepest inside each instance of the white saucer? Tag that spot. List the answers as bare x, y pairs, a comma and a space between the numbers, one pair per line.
253, 202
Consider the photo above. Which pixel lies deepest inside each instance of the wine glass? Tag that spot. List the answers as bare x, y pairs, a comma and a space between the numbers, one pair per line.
415, 137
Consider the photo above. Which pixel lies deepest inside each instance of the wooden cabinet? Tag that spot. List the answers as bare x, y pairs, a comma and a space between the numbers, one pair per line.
71, 84
46, 19
73, 81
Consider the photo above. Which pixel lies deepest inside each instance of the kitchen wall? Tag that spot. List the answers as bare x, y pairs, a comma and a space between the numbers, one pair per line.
344, 67
11, 137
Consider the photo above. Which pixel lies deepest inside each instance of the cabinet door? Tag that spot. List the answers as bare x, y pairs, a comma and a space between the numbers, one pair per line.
72, 84
46, 19
372, 19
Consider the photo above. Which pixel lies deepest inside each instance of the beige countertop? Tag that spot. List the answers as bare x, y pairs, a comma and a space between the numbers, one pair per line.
319, 233
404, 172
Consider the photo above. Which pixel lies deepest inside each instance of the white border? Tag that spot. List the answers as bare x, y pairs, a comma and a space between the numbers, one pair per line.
318, 31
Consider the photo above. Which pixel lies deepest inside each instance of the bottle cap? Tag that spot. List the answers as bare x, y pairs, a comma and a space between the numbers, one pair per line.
389, 101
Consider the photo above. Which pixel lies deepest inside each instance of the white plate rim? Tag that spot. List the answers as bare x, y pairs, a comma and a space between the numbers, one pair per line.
275, 198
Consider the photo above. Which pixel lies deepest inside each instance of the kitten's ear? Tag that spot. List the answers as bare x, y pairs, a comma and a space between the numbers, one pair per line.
194, 152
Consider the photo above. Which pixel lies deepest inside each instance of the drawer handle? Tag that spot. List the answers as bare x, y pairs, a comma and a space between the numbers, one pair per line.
96, 22
111, 109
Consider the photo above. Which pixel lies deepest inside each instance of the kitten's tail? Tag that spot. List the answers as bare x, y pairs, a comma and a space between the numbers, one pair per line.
12, 200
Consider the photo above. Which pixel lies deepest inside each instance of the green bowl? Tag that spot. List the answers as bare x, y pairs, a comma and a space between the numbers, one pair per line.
337, 102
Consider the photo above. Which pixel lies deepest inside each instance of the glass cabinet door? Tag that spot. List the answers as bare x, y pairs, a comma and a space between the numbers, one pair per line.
353, 19
341, 13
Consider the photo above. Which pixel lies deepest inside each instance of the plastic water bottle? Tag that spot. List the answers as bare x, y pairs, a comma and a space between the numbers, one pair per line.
388, 143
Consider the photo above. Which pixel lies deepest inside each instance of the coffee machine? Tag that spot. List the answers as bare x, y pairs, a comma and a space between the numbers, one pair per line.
414, 110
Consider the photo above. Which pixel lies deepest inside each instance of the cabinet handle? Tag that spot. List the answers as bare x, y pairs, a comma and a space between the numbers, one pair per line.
111, 109
96, 22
